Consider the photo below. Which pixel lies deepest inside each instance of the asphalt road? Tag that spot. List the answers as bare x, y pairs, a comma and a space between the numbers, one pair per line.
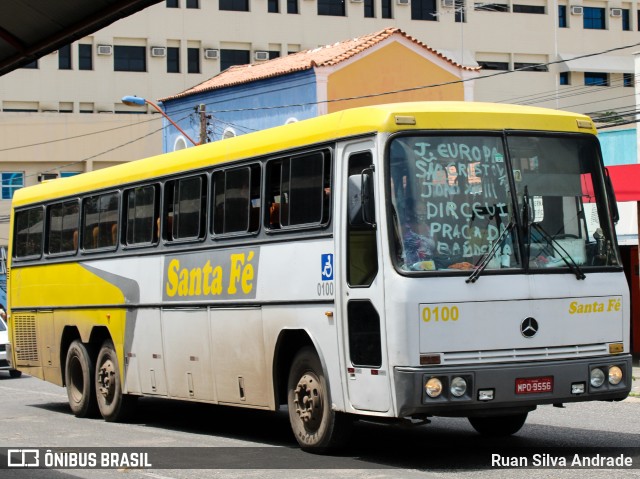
247, 443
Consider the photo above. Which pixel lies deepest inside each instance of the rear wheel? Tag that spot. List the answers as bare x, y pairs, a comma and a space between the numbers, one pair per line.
314, 423
497, 426
79, 369
14, 373
114, 406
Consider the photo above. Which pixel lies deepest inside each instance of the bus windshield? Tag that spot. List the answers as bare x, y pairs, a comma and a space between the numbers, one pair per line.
463, 202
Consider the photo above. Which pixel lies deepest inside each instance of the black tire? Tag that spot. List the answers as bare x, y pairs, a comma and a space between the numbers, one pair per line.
315, 424
78, 373
14, 373
498, 426
113, 405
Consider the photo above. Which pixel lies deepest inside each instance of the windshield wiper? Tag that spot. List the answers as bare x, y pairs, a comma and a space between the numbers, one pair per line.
556, 247
486, 259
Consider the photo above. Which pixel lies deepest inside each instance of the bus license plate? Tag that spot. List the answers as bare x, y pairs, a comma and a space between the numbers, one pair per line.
534, 385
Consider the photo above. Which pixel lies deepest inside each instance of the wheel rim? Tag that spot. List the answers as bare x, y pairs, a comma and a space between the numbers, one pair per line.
307, 399
106, 380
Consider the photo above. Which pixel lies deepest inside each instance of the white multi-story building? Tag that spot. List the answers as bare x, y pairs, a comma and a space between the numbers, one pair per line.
64, 114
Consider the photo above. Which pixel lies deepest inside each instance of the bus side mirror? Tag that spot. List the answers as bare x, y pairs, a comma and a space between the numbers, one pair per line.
611, 197
361, 205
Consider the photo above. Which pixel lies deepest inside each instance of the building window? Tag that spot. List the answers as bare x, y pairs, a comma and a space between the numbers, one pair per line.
33, 64
273, 6
593, 18
64, 57
292, 6
628, 79
193, 3
331, 7
274, 54
129, 59
562, 16
424, 10
85, 56
564, 78
229, 58
67, 174
173, 60
369, 9
11, 181
173, 4
193, 60
596, 79
491, 7
385, 9
234, 5
494, 65
529, 9
626, 19
460, 11
530, 67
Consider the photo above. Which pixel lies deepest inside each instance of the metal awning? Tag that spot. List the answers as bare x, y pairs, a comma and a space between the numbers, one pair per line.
597, 63
30, 29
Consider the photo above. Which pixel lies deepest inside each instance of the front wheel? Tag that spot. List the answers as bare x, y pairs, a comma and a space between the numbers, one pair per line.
114, 406
498, 426
314, 423
14, 373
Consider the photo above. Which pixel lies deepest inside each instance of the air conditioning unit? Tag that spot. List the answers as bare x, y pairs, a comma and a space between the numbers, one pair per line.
261, 56
576, 10
448, 3
211, 53
158, 51
46, 177
403, 2
615, 12
105, 50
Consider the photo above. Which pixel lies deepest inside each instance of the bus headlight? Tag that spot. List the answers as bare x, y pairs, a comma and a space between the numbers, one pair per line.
597, 377
433, 387
615, 375
458, 387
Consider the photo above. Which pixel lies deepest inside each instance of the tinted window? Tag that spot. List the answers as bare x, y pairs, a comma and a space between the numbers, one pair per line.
184, 208
236, 200
299, 190
63, 222
28, 233
100, 221
141, 215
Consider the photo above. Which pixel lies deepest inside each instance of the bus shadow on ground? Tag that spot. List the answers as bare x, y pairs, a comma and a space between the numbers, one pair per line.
445, 444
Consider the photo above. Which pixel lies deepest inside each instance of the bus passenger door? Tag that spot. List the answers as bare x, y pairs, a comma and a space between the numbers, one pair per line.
362, 299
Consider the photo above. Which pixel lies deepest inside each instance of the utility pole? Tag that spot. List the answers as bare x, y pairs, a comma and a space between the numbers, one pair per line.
202, 109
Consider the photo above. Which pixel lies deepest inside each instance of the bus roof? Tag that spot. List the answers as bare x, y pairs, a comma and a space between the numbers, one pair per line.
325, 128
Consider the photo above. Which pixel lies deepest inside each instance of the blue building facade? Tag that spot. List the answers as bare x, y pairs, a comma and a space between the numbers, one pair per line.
236, 110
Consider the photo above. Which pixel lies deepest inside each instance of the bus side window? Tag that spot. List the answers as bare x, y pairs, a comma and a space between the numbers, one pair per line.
299, 188
100, 221
28, 232
362, 251
236, 200
185, 208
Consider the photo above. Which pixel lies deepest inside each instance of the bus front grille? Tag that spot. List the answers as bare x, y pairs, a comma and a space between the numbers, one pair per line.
525, 354
25, 340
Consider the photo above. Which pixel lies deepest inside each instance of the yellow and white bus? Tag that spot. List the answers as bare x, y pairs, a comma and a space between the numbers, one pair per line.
392, 262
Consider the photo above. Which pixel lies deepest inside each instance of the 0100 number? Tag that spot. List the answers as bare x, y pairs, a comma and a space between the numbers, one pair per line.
440, 313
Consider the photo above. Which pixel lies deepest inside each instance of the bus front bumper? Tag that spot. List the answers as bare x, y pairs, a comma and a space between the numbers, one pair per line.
493, 389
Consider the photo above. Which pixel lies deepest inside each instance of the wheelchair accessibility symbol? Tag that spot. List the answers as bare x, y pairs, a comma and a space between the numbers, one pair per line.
327, 267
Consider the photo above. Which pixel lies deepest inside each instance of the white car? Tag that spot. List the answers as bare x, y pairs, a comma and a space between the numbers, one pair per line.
4, 339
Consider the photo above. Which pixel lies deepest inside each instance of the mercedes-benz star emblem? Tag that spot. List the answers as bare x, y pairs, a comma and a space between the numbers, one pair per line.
529, 327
